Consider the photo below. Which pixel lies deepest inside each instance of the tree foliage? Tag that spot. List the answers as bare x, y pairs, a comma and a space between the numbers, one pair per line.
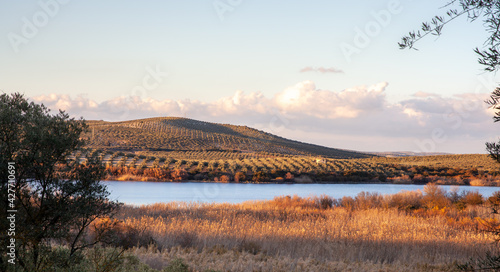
489, 55
56, 198
488, 11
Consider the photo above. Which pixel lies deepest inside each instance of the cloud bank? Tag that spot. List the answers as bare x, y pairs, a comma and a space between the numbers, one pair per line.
359, 118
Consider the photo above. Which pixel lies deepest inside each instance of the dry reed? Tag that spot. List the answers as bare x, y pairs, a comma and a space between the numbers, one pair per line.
293, 230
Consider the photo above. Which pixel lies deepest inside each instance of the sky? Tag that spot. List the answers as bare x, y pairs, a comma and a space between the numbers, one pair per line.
324, 72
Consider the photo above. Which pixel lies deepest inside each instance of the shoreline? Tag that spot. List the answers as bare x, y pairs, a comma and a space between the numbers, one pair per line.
142, 179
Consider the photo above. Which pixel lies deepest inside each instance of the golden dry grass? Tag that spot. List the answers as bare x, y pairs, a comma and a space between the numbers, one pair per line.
289, 233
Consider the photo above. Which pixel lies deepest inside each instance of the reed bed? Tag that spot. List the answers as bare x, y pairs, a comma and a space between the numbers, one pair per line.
291, 231
217, 259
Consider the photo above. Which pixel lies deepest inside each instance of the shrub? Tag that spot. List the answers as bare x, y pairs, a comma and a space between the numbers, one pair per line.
225, 179
435, 197
325, 202
179, 174
366, 200
473, 198
406, 200
348, 202
494, 202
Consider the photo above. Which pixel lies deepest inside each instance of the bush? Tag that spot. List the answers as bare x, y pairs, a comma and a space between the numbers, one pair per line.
435, 197
225, 179
473, 198
494, 202
325, 202
348, 202
366, 200
179, 174
407, 200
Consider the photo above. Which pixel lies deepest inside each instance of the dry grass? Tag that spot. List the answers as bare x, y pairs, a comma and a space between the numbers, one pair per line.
221, 259
289, 233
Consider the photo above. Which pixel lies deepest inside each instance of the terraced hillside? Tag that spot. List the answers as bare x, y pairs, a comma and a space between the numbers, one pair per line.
182, 134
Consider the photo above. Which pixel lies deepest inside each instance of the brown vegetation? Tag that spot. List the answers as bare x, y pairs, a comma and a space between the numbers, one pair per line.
412, 231
475, 170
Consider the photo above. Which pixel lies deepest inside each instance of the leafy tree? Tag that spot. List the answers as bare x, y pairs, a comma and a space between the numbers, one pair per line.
489, 56
56, 198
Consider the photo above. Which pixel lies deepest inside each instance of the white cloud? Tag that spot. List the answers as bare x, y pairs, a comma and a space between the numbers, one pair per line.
305, 99
352, 114
424, 94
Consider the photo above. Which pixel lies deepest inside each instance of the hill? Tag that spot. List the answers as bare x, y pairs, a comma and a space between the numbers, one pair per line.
407, 154
183, 134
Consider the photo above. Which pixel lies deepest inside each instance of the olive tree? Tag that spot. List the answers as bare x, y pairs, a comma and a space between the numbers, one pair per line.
489, 55
52, 198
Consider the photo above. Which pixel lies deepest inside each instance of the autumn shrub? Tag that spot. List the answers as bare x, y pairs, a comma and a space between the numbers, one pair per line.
406, 200
158, 173
325, 202
179, 174
225, 178
494, 202
348, 202
473, 198
435, 197
367, 200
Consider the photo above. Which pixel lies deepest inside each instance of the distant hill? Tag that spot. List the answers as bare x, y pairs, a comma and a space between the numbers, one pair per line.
407, 153
183, 134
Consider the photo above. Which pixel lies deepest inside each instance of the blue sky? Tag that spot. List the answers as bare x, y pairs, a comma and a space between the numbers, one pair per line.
255, 62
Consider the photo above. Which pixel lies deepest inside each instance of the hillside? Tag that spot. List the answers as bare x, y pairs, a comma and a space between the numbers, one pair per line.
182, 134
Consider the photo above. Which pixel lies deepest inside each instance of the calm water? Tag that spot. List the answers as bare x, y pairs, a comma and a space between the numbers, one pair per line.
138, 192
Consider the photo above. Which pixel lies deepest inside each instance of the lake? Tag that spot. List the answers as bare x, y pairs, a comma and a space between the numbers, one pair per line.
140, 192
